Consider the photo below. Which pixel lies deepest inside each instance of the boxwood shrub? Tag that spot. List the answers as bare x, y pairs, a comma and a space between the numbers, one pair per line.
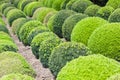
11, 62
5, 36
46, 48
114, 77
7, 10
69, 24
3, 28
63, 4
64, 53
81, 5
89, 67
105, 40
105, 12
57, 4
49, 3
84, 29
2, 22
26, 28
36, 42
113, 3
14, 14
15, 2
69, 4
92, 10
16, 76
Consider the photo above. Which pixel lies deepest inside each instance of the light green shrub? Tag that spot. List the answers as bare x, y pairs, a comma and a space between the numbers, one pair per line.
114, 77
113, 3
57, 4
7, 10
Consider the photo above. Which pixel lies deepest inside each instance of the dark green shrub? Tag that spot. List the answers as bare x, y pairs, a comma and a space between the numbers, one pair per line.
35, 44
64, 53
69, 4
105, 40
59, 19
105, 12
57, 4
50, 2
113, 3
3, 1
92, 10
69, 24
15, 2
81, 5
16, 76
3, 28
2, 22
35, 31
115, 16
11, 62
84, 28
26, 28
92, 67
7, 10
14, 14
5, 5
5, 36
64, 3
114, 77
46, 48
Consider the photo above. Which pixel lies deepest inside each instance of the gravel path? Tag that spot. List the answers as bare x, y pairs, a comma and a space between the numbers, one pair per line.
42, 73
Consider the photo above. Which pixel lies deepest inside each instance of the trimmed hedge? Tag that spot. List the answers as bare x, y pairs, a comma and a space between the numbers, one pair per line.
3, 28
57, 4
26, 28
69, 4
15, 2
105, 12
84, 28
106, 41
37, 40
92, 10
11, 62
81, 5
64, 53
69, 24
114, 77
2, 22
5, 36
50, 2
46, 48
7, 10
14, 14
59, 19
113, 3
64, 3
16, 76
92, 67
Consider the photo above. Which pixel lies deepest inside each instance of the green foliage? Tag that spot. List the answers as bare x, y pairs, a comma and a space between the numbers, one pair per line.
105, 12
3, 28
5, 5
46, 48
7, 10
115, 16
16, 76
15, 2
50, 2
114, 77
113, 3
81, 5
2, 22
26, 28
57, 4
37, 40
92, 67
11, 62
105, 40
14, 14
3, 1
64, 3
69, 4
59, 19
69, 24
92, 10
64, 53
5, 36
85, 27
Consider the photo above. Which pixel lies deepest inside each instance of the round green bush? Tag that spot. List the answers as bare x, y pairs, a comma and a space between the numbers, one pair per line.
16, 76
114, 77
105, 12
5, 36
7, 10
69, 4
59, 19
92, 10
15, 2
64, 53
3, 1
14, 14
46, 48
115, 16
50, 2
3, 28
37, 40
81, 5
92, 67
2, 22
35, 31
26, 28
57, 4
69, 24
64, 3
31, 7
105, 40
11, 62
5, 5
85, 27
113, 3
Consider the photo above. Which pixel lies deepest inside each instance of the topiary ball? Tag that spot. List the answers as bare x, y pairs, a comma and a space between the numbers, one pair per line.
59, 19
114, 77
16, 76
5, 36
7, 10
81, 5
105, 12
113, 3
64, 53
50, 2
92, 67
84, 28
69, 24
46, 48
69, 4
92, 10
115, 16
3, 28
64, 3
105, 40
26, 28
37, 40
11, 62
56, 4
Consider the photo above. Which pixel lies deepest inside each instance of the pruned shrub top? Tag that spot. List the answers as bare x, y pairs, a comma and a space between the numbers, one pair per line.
64, 53
113, 3
92, 67
5, 5
57, 4
7, 10
69, 4
64, 3
106, 41
3, 28
5, 36
114, 77
85, 27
